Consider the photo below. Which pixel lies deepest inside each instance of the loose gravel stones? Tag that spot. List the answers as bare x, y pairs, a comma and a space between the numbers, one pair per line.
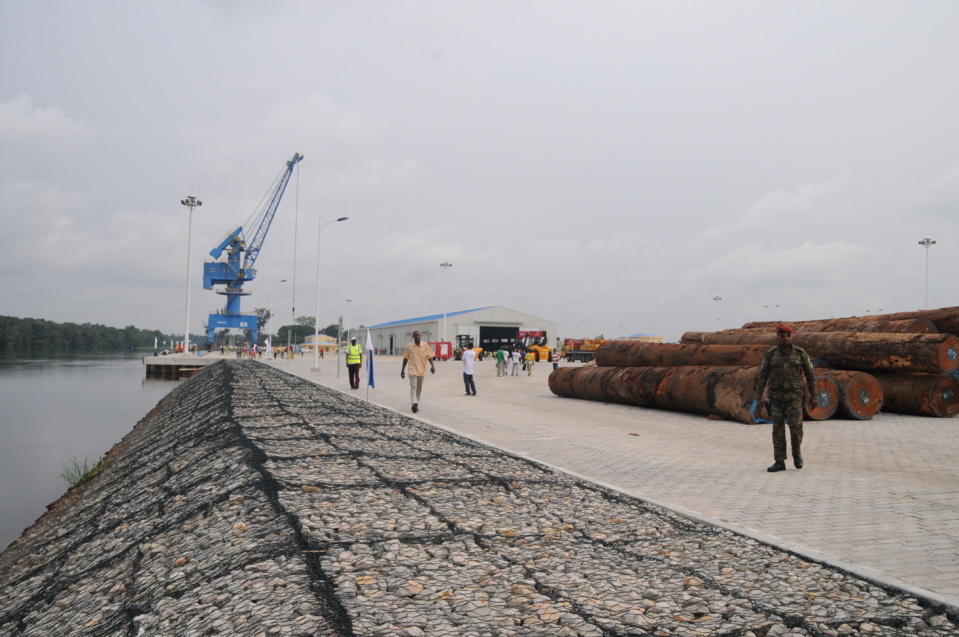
254, 503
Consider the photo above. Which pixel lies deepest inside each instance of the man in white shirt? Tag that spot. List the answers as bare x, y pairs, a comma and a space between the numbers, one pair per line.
469, 357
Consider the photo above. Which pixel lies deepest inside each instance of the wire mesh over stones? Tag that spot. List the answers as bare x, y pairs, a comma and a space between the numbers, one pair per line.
204, 522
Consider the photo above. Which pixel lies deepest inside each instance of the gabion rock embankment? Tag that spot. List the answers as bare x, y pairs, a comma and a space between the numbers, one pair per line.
254, 503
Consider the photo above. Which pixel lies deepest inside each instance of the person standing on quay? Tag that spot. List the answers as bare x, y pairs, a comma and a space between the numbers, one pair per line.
514, 356
469, 357
787, 369
530, 359
417, 354
354, 360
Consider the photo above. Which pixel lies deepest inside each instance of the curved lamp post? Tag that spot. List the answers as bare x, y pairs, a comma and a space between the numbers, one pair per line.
926, 243
349, 305
316, 321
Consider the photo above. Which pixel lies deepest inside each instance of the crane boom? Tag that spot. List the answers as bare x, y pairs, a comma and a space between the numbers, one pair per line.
240, 258
254, 250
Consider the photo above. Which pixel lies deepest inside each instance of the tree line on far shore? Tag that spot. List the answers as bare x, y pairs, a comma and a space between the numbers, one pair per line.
24, 335
21, 335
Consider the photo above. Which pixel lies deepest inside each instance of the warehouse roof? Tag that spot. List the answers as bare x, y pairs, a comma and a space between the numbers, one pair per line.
431, 317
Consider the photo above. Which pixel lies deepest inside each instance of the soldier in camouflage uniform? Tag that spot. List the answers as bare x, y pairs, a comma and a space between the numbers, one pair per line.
787, 369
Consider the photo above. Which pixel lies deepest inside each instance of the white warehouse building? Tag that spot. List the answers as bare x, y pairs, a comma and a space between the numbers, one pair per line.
487, 327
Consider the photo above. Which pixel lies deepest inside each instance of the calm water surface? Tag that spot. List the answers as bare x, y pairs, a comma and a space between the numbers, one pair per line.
54, 410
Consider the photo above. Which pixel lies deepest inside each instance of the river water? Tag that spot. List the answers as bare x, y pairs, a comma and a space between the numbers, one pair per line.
55, 410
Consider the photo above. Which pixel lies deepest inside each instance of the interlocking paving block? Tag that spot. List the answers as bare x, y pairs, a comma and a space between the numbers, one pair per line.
252, 502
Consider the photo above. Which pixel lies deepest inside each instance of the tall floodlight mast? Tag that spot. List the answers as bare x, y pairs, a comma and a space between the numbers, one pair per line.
190, 202
446, 267
238, 269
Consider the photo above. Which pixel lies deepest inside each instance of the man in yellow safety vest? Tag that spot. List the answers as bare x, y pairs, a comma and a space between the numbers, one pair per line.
354, 360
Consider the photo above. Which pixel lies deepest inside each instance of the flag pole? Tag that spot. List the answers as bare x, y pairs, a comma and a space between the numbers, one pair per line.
369, 363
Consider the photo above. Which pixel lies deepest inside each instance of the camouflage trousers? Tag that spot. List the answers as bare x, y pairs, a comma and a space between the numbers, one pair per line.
786, 410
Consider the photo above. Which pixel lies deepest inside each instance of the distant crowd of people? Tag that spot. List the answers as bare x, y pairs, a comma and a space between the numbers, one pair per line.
258, 352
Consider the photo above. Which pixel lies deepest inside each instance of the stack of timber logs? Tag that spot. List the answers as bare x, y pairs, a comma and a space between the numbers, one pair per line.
916, 373
870, 324
932, 353
902, 363
713, 380
945, 319
717, 391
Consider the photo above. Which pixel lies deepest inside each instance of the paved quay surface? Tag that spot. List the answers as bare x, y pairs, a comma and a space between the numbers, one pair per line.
253, 503
878, 498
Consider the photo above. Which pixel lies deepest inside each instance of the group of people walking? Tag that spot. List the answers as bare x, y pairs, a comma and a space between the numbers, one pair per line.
506, 358
418, 356
786, 370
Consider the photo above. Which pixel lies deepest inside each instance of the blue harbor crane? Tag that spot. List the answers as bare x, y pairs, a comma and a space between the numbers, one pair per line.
238, 269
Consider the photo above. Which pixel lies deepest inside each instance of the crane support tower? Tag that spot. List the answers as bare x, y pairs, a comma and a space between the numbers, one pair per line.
238, 267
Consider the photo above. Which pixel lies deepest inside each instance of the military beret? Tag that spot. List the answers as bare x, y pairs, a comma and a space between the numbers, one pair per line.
784, 328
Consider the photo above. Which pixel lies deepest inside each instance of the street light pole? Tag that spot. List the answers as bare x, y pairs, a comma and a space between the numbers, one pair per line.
190, 202
717, 298
446, 266
269, 323
339, 339
926, 243
349, 305
316, 320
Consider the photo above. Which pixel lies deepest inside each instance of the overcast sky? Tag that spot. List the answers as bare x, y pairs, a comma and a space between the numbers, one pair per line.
612, 166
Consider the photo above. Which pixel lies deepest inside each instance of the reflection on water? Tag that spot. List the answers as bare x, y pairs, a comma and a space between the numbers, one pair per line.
55, 410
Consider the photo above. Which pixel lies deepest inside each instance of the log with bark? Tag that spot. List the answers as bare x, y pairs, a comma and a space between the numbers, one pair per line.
636, 354
929, 353
726, 392
945, 319
920, 394
869, 324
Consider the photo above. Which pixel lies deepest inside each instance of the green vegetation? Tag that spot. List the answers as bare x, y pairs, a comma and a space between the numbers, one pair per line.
303, 328
78, 474
32, 336
28, 335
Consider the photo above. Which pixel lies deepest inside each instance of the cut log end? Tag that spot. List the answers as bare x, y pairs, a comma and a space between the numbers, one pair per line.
826, 400
945, 397
861, 397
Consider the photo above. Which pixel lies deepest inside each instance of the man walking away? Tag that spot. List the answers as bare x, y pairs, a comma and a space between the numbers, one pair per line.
354, 360
469, 357
417, 354
787, 369
515, 358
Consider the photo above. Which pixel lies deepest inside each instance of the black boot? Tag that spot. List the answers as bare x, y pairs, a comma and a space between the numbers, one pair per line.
797, 462
779, 465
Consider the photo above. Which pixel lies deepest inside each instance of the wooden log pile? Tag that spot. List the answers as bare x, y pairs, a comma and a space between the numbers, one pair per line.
700, 379
716, 391
911, 368
930, 353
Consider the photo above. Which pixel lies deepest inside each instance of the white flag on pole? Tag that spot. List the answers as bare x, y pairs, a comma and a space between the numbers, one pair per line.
369, 358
